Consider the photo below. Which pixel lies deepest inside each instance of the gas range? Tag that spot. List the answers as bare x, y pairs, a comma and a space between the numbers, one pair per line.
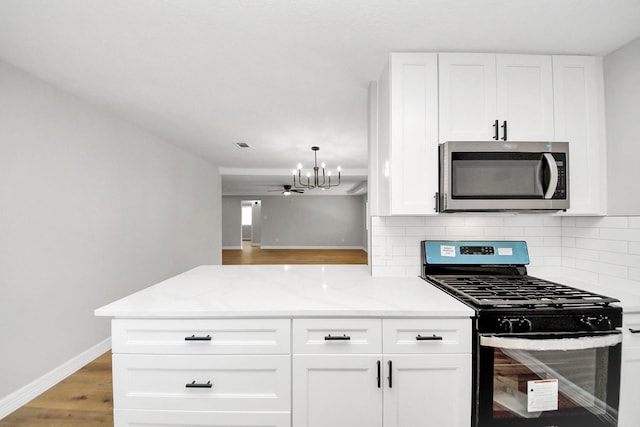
530, 332
491, 277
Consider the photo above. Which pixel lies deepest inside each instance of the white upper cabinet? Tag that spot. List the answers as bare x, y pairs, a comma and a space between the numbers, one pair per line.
467, 90
423, 99
407, 139
525, 97
578, 91
489, 97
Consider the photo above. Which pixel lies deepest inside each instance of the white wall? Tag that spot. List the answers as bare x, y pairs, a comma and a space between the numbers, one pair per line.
92, 209
622, 103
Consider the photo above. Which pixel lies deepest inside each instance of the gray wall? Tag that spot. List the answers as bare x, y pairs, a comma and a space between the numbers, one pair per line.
314, 221
91, 209
232, 222
256, 223
300, 221
622, 97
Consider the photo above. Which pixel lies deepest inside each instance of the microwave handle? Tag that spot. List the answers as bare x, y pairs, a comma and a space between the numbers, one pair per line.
553, 168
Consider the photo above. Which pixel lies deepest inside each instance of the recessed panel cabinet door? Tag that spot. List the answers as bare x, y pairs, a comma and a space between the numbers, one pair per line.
578, 88
428, 390
336, 391
467, 96
525, 97
629, 415
414, 133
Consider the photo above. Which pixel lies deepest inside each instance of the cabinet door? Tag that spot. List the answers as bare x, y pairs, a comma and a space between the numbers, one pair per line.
336, 391
428, 390
467, 92
414, 133
578, 95
525, 97
629, 415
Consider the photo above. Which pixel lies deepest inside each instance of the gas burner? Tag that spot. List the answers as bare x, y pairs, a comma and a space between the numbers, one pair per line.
515, 291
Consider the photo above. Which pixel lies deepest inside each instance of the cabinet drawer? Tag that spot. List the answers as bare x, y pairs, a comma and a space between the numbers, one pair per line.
202, 382
204, 336
426, 335
337, 336
141, 418
631, 330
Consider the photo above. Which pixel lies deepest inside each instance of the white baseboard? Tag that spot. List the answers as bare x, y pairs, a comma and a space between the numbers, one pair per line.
231, 247
24, 395
313, 247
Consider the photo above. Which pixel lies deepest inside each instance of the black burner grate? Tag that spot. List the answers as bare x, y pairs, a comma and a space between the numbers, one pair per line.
515, 291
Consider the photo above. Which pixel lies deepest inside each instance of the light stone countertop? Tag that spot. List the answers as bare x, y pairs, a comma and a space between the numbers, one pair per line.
286, 291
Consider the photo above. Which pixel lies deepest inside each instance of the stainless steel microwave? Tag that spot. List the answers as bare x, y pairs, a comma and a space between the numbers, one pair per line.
503, 176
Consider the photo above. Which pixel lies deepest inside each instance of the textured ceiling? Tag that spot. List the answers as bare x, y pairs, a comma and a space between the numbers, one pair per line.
281, 75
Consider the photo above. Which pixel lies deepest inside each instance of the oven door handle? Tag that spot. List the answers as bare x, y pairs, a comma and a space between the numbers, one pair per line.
552, 344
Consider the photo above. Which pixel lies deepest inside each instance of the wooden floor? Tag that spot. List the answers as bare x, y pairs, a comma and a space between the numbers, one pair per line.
84, 399
254, 255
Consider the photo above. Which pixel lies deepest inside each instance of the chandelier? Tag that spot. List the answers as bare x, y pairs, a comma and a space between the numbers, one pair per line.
315, 181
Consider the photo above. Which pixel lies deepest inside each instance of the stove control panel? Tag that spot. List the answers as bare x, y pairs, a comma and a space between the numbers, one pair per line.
514, 324
477, 250
597, 323
470, 252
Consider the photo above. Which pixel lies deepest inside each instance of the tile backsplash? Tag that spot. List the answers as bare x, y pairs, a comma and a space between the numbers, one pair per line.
602, 249
595, 249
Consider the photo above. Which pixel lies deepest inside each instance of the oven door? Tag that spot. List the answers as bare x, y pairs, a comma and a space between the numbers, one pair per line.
548, 380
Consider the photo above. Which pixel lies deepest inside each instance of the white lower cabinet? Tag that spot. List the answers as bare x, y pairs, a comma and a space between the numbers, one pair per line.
199, 382
430, 390
629, 415
339, 372
336, 390
428, 385
202, 372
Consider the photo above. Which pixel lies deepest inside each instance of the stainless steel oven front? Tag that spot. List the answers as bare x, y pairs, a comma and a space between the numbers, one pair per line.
548, 380
503, 176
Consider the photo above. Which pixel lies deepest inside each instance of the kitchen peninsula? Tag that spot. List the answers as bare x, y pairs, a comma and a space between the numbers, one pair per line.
290, 346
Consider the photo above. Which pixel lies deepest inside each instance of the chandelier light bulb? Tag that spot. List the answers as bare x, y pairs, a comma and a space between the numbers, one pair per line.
308, 174
323, 165
294, 171
299, 166
339, 169
329, 173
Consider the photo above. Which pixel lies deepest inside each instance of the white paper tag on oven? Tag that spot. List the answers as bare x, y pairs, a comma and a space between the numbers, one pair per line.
542, 395
447, 250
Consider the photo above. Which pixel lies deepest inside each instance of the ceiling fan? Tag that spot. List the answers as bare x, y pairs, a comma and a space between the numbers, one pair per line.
286, 190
